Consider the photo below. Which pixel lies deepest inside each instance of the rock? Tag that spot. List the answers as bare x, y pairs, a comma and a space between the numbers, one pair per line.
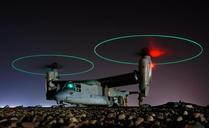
61, 121
153, 115
130, 117
73, 120
185, 113
121, 117
28, 125
130, 123
180, 118
196, 115
93, 122
150, 118
160, 116
189, 106
3, 120
156, 123
14, 119
83, 115
14, 122
139, 120
53, 122
70, 115
110, 115
194, 125
168, 119
203, 119
72, 125
49, 118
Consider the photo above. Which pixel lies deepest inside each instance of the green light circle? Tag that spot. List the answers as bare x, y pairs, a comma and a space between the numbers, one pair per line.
52, 55
110, 41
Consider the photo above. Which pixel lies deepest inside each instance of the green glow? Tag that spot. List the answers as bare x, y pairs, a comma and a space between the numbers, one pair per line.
110, 41
51, 55
70, 85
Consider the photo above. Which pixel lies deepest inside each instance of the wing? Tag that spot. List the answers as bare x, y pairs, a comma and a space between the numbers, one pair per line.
120, 80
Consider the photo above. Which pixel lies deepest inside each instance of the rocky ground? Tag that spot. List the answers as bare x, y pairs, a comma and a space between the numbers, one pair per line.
170, 115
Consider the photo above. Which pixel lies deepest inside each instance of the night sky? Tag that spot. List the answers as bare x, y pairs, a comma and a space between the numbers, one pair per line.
75, 28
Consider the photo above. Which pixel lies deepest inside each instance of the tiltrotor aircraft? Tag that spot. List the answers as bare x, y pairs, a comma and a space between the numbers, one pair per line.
100, 91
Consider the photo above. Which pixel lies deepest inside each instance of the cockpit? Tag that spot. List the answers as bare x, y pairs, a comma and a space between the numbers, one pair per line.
73, 86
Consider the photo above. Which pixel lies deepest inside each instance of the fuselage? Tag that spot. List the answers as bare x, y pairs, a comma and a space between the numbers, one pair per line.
100, 91
90, 93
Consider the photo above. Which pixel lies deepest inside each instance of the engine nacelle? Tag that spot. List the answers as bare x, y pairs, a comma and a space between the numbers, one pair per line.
145, 75
50, 87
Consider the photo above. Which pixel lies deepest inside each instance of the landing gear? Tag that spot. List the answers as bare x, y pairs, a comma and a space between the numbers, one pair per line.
121, 101
140, 99
117, 101
60, 102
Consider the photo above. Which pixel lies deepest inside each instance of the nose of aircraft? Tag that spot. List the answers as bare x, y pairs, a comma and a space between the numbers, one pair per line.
61, 96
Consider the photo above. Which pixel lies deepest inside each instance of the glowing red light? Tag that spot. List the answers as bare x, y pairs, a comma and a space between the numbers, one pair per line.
152, 65
156, 53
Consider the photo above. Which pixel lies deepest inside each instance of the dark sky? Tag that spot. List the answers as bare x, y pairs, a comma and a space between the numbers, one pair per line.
75, 28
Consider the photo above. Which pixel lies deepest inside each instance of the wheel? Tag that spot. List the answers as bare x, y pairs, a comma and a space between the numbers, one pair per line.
114, 105
59, 102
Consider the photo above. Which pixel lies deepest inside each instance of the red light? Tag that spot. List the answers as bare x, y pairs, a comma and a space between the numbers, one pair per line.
156, 53
152, 65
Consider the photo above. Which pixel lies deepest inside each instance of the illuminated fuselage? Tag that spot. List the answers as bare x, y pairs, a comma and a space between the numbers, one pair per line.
100, 91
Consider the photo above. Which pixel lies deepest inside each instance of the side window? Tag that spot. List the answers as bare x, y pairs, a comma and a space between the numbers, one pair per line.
78, 87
